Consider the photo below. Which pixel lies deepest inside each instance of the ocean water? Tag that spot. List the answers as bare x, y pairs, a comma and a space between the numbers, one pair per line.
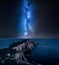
47, 50
5, 42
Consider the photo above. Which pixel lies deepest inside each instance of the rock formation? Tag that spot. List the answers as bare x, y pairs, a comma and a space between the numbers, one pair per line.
17, 51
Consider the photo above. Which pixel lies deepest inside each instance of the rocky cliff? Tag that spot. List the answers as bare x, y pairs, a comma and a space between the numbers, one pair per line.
18, 53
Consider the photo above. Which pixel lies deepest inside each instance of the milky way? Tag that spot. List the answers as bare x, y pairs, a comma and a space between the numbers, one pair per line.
29, 18
26, 22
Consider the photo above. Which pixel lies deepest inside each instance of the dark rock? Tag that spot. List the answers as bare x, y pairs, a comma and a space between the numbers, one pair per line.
11, 55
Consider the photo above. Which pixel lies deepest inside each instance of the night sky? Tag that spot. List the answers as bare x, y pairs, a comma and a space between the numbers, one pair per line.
46, 18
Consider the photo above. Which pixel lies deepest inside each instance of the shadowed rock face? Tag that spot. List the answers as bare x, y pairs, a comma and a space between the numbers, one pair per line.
17, 51
24, 46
